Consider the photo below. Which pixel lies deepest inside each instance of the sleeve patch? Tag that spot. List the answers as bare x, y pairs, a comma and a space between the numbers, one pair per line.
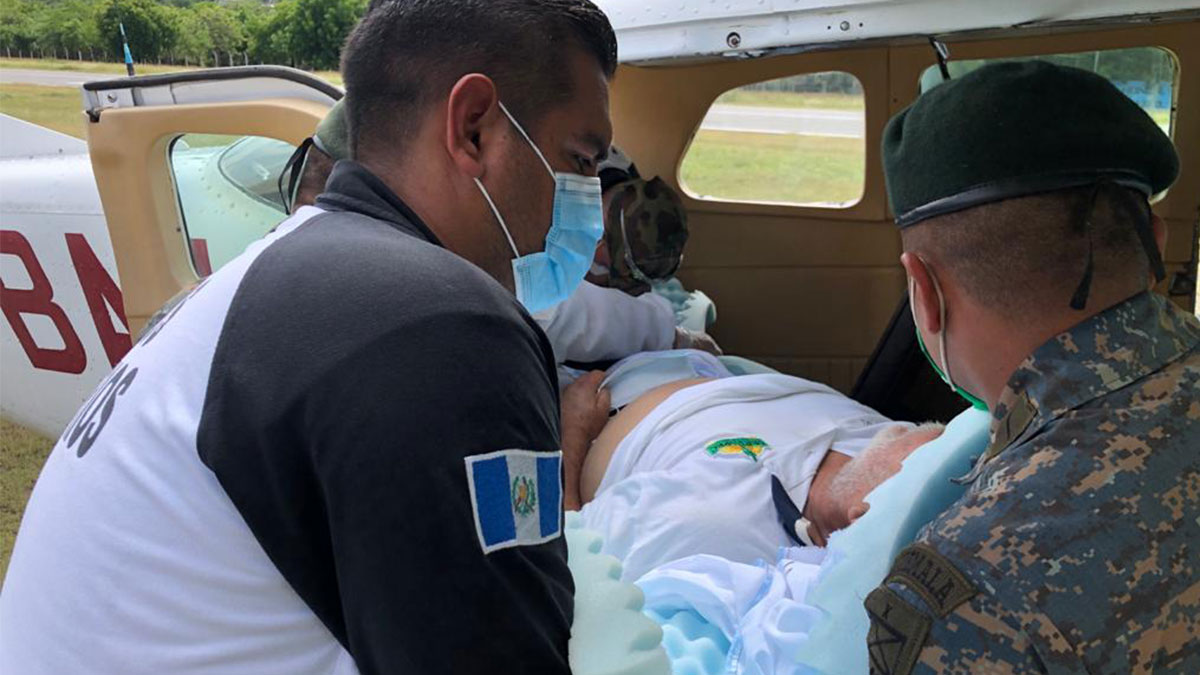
929, 574
897, 634
516, 496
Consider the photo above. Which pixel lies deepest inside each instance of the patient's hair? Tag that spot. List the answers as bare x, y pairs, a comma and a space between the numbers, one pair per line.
881, 459
1022, 255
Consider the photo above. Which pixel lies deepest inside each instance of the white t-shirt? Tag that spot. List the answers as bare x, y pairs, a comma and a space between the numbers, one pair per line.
694, 476
138, 555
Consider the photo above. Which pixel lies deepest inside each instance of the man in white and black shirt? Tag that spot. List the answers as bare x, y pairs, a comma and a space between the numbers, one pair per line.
340, 453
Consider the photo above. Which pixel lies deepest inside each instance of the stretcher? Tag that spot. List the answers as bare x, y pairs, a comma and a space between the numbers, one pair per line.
615, 634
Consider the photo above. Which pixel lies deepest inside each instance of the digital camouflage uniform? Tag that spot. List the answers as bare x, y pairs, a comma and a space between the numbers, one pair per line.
1076, 547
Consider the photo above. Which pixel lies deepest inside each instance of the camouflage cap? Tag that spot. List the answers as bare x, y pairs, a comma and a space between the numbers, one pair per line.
333, 134
1019, 128
646, 231
615, 169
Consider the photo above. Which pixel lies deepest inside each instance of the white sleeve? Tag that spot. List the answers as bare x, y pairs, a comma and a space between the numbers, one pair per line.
598, 323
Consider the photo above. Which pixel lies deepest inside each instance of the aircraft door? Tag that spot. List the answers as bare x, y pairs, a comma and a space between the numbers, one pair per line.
186, 165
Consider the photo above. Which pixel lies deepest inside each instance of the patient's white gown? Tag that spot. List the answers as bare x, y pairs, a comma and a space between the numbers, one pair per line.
694, 476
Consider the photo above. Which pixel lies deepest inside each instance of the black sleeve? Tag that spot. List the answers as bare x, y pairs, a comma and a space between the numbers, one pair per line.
358, 491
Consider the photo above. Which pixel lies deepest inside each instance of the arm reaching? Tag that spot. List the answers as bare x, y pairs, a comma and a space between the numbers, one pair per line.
585, 409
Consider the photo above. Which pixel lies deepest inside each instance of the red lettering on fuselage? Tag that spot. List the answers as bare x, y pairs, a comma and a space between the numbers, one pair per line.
200, 258
98, 289
38, 300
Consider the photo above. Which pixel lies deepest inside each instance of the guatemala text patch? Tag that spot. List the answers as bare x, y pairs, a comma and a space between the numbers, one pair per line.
516, 496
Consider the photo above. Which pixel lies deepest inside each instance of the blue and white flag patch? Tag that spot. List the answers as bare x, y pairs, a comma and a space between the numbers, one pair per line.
516, 496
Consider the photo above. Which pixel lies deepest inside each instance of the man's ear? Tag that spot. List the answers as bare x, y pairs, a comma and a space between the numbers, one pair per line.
471, 114
857, 511
924, 296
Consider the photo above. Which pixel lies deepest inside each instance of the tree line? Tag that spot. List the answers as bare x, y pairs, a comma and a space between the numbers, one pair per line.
300, 33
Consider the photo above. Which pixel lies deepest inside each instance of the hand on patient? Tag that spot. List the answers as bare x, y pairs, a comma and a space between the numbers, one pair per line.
690, 339
585, 409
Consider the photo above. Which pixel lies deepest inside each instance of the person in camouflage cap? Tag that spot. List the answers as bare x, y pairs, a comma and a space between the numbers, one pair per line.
303, 176
1022, 194
645, 233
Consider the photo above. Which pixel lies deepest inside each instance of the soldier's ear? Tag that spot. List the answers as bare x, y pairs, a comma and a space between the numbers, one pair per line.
922, 294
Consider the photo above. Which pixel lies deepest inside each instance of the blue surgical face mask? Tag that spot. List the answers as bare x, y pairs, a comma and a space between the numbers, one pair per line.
944, 370
548, 277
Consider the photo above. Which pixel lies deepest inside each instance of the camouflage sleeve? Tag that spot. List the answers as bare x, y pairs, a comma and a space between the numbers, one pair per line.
927, 617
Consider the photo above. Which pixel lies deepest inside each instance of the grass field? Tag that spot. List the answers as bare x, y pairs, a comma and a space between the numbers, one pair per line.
57, 108
774, 167
22, 454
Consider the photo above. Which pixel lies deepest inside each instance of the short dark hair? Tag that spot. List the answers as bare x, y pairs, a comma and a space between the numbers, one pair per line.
404, 54
1019, 256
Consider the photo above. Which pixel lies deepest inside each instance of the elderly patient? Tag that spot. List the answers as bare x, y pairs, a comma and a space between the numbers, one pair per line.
688, 468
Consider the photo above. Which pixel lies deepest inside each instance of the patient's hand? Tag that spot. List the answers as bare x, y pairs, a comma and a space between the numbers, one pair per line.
585, 408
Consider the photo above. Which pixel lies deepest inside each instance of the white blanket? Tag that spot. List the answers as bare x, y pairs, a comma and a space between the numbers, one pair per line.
761, 608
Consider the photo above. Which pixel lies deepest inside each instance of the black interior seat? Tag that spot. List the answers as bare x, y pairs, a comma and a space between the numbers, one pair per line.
898, 381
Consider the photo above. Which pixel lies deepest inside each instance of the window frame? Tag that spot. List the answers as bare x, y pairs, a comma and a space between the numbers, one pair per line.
694, 198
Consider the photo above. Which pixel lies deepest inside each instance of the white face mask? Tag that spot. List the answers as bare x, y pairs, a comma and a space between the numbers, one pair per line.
547, 277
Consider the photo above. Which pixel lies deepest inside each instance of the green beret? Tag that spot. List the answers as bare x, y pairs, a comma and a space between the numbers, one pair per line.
333, 134
1019, 128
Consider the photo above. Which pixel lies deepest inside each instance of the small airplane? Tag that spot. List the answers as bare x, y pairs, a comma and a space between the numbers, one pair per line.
179, 173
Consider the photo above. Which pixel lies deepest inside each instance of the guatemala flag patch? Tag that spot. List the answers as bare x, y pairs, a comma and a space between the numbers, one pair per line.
516, 496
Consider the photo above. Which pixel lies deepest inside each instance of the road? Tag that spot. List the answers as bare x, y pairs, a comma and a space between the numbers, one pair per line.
800, 121
50, 78
756, 119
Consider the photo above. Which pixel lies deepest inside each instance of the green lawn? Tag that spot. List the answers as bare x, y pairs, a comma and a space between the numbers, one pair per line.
85, 66
22, 453
787, 99
775, 167
58, 108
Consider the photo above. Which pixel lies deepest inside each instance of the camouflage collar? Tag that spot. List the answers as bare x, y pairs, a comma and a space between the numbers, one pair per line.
1101, 354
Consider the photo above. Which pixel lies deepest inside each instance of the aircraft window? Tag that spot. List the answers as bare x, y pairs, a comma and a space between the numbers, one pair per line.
1146, 74
228, 193
795, 140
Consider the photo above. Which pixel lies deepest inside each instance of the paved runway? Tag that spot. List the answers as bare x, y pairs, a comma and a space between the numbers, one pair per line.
800, 121
50, 78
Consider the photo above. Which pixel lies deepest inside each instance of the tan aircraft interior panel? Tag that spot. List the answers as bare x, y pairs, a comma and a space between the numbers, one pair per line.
129, 151
809, 290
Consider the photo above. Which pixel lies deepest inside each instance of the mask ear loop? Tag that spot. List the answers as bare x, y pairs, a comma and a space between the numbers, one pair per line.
945, 361
499, 219
521, 130
292, 170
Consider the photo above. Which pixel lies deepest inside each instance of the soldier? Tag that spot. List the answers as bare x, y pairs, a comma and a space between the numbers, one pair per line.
1021, 191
